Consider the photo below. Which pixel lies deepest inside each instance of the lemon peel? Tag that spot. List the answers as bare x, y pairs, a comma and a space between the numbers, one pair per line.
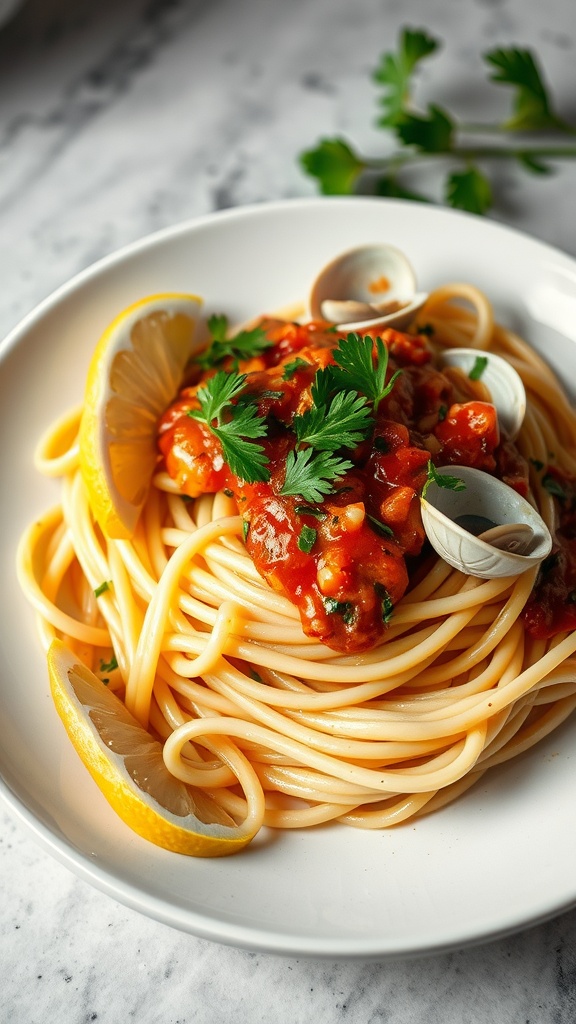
133, 375
127, 764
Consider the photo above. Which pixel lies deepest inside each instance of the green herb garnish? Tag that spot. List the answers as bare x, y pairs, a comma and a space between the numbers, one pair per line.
344, 423
103, 588
554, 487
387, 606
309, 510
243, 345
343, 608
291, 368
480, 364
307, 539
244, 456
311, 475
108, 666
379, 526
433, 133
451, 483
361, 366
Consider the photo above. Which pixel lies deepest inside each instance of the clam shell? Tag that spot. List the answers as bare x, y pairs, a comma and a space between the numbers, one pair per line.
366, 287
503, 382
488, 501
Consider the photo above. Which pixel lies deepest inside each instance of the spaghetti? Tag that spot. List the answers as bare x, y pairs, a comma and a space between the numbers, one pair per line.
211, 658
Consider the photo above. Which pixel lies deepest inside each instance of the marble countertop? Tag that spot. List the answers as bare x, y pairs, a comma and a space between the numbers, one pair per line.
120, 118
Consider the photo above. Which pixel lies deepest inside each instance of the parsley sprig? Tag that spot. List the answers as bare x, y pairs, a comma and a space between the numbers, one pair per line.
434, 132
242, 345
234, 423
358, 369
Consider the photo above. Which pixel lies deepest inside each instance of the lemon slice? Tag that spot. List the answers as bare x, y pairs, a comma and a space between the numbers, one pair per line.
133, 376
126, 763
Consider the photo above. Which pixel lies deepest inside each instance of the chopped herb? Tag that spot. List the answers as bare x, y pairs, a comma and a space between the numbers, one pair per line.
307, 539
103, 588
108, 666
442, 413
291, 368
309, 510
254, 675
451, 483
387, 606
554, 487
228, 492
245, 529
380, 527
243, 345
426, 329
538, 466
343, 608
480, 364
276, 395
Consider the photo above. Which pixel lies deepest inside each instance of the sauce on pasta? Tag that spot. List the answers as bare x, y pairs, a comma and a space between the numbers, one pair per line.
343, 561
429, 680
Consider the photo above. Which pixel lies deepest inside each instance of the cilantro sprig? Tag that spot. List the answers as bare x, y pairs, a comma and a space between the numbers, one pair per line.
234, 423
434, 133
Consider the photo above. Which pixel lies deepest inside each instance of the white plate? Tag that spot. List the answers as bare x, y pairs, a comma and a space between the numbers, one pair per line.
500, 858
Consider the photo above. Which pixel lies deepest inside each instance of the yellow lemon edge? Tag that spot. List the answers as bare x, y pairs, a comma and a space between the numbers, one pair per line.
133, 810
92, 454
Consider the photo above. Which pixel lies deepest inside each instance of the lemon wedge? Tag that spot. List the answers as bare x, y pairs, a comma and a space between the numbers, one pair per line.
126, 763
134, 374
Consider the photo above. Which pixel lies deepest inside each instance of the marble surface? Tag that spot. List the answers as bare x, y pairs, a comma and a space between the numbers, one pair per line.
119, 118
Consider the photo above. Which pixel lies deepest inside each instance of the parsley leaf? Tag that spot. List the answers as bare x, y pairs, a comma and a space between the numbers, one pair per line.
243, 345
532, 107
335, 165
310, 475
431, 134
469, 190
102, 588
342, 424
245, 458
480, 364
396, 69
553, 486
291, 368
307, 539
343, 608
451, 483
356, 368
387, 606
108, 666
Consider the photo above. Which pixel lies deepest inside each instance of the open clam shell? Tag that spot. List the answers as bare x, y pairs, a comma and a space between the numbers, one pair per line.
502, 380
486, 529
366, 287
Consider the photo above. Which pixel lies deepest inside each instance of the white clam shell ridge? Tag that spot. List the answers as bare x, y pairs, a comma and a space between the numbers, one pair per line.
521, 543
366, 287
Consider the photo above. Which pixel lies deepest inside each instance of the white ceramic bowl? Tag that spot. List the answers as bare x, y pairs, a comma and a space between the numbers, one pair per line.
498, 859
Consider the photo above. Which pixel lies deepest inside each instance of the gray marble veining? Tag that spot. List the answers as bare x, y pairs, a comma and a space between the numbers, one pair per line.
119, 118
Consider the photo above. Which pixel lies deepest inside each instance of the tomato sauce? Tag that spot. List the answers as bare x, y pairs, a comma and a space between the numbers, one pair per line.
342, 561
